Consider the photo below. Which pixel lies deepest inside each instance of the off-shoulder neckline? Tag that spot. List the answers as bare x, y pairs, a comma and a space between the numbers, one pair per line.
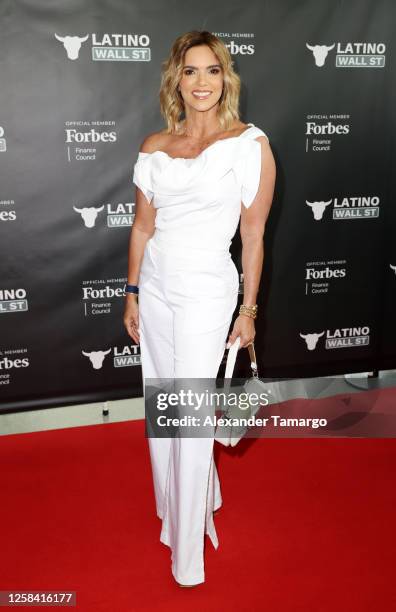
202, 152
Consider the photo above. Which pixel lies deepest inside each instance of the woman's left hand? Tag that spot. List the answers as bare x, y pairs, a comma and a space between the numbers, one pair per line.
245, 328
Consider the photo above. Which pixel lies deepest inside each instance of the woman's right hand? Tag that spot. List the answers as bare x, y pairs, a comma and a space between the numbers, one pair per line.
131, 317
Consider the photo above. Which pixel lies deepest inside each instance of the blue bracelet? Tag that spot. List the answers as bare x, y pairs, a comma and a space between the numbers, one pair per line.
130, 289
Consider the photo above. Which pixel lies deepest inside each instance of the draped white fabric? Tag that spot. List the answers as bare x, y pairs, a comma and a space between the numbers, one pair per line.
192, 195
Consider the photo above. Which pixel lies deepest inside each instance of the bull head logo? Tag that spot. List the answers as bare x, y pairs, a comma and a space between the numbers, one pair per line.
89, 214
320, 52
318, 208
72, 44
311, 339
96, 358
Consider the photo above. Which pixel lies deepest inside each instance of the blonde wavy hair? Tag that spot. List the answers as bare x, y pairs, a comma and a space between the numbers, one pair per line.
171, 101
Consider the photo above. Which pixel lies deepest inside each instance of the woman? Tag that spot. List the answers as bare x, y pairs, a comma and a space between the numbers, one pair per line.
191, 179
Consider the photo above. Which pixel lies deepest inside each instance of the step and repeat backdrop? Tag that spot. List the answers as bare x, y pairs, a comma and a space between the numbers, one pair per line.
79, 93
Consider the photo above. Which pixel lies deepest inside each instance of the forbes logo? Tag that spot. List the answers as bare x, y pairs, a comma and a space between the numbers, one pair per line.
326, 129
73, 136
324, 274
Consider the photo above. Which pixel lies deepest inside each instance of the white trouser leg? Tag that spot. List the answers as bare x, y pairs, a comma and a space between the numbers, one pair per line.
156, 349
191, 486
184, 338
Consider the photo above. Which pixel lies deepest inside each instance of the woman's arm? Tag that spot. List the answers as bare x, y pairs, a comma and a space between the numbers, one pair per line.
253, 220
252, 226
141, 231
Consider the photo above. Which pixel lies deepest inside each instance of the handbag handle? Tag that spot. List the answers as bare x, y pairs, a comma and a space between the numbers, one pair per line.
232, 355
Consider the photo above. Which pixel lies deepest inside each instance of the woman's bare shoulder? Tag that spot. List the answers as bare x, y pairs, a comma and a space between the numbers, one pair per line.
154, 141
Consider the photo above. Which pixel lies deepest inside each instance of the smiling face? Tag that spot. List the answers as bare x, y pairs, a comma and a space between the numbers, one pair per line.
201, 83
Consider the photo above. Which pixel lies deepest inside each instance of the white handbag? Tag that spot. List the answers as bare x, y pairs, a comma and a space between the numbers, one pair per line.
276, 391
229, 434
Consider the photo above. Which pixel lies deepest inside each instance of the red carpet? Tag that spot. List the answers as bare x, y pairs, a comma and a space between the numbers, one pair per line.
306, 525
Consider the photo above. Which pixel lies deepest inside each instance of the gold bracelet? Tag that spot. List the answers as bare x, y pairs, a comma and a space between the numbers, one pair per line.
250, 311
248, 314
253, 307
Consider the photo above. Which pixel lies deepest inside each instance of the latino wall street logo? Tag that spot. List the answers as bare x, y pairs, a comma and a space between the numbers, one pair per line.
3, 142
322, 129
238, 43
100, 296
13, 300
345, 208
349, 55
12, 360
117, 357
321, 276
107, 47
7, 211
84, 137
117, 215
338, 338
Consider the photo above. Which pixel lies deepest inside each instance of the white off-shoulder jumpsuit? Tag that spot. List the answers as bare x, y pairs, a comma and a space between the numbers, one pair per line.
188, 292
